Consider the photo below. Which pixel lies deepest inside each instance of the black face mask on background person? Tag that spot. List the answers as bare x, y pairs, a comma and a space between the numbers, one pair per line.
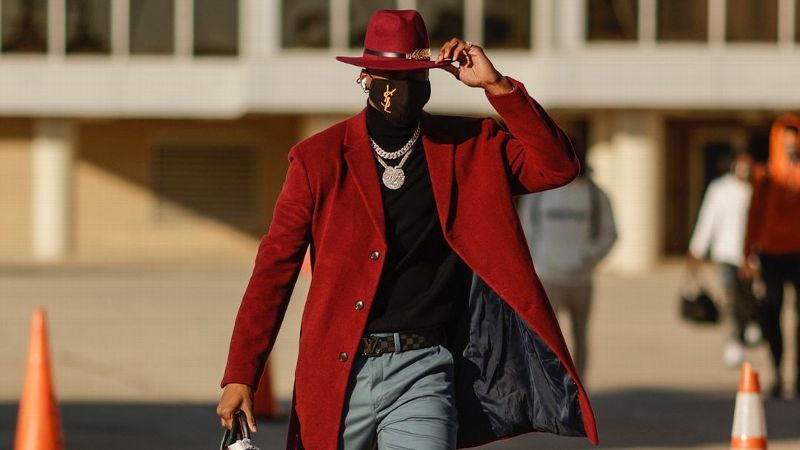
400, 101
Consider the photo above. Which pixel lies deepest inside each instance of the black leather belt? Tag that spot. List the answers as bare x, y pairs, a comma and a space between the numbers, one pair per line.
411, 340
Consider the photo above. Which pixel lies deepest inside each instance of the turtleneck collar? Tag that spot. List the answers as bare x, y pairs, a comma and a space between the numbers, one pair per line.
390, 137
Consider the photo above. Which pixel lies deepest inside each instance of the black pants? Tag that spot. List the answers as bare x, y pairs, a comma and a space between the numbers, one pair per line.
777, 270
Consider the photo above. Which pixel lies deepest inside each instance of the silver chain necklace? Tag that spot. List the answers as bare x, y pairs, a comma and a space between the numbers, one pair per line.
393, 177
398, 153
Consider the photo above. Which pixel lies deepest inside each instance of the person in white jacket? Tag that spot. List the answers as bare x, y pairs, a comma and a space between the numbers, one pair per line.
569, 230
720, 232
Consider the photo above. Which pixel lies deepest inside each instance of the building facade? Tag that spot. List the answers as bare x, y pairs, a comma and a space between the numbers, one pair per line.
158, 129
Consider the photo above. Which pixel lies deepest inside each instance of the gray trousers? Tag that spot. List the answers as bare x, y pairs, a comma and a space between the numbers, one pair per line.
401, 400
577, 302
736, 299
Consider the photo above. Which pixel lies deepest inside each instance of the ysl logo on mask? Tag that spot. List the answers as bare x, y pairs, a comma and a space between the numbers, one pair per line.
399, 101
387, 99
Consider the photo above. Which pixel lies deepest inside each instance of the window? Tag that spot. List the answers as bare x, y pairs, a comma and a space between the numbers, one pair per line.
24, 25
306, 23
615, 20
444, 20
216, 27
507, 24
88, 26
752, 20
152, 26
213, 181
683, 20
360, 13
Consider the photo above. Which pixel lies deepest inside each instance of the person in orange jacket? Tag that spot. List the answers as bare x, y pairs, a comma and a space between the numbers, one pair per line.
773, 241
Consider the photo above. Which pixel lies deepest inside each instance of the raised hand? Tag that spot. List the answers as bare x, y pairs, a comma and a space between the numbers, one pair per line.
474, 68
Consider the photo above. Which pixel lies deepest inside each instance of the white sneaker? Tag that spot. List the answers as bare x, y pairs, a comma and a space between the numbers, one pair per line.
733, 356
752, 334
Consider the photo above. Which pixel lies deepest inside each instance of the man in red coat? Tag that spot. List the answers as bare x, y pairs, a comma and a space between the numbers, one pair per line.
425, 323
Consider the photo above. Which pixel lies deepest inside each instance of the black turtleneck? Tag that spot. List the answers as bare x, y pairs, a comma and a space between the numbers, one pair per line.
423, 283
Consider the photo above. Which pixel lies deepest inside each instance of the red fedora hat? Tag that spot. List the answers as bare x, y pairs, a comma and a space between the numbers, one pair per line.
395, 40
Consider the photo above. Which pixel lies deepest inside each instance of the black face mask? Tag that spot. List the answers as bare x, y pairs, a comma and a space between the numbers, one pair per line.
400, 101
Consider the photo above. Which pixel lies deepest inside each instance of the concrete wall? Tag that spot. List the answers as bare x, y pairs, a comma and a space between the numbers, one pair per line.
116, 206
112, 206
112, 213
15, 191
626, 151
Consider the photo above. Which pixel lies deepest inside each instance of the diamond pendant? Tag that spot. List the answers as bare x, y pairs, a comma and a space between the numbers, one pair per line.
393, 178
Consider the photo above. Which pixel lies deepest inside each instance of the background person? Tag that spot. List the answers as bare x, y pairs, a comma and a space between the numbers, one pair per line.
773, 236
569, 230
720, 230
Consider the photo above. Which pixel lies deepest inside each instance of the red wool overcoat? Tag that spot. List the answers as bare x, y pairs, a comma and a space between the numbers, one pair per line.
514, 373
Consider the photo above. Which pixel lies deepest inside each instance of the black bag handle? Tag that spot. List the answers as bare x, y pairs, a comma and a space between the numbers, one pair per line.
692, 282
239, 430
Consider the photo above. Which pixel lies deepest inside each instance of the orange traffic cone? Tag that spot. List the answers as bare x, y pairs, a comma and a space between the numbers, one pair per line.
39, 422
749, 425
265, 404
306, 267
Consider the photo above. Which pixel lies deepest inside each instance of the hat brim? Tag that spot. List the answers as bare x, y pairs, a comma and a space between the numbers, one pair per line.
392, 63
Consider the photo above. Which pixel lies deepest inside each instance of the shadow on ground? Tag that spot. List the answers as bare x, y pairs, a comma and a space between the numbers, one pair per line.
628, 419
129, 426
663, 418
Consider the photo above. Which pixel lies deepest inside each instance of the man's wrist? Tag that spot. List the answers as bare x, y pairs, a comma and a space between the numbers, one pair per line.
237, 385
499, 86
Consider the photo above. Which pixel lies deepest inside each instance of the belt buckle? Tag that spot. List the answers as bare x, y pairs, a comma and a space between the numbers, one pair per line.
371, 347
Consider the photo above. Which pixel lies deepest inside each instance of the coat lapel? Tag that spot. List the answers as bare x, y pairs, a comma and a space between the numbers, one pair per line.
360, 160
439, 153
361, 164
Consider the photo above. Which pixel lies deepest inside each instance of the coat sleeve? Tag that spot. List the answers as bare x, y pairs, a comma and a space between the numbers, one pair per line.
704, 229
280, 255
538, 153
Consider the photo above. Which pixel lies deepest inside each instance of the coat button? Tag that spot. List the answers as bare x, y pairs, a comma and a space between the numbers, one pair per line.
360, 304
375, 255
343, 356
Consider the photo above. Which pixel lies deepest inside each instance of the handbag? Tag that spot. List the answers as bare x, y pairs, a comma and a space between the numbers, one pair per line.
238, 437
696, 304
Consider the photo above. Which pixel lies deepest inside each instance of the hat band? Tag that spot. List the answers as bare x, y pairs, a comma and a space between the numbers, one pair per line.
418, 54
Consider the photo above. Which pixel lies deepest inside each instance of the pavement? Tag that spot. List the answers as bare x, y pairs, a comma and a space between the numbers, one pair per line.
138, 352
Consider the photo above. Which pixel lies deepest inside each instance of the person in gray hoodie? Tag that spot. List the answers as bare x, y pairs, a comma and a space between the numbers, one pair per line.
569, 230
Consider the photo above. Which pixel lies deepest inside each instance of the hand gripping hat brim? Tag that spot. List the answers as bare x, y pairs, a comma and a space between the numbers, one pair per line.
395, 40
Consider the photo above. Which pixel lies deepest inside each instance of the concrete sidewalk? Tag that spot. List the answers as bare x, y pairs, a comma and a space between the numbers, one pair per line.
138, 353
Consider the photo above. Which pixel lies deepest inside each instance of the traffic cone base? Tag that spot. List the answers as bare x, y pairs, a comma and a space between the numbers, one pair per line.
754, 443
